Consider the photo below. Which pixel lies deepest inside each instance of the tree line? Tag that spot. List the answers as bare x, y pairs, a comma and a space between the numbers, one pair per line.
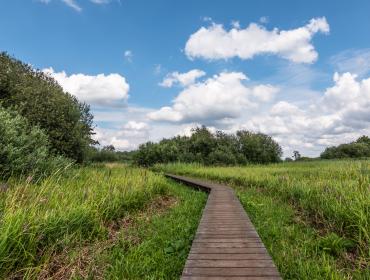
217, 148
357, 149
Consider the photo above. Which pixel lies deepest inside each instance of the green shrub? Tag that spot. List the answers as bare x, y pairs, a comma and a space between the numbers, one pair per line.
24, 150
42, 101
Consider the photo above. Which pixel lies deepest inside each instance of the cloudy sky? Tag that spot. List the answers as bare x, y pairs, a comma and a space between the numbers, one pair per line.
296, 70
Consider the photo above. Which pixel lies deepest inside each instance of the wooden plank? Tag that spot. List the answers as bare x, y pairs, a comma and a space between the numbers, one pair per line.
224, 256
230, 278
229, 263
226, 245
227, 240
230, 271
245, 250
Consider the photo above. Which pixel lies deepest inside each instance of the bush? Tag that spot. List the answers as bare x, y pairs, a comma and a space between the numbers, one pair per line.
24, 150
38, 98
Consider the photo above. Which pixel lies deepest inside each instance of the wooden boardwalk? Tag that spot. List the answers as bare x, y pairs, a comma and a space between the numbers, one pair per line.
226, 245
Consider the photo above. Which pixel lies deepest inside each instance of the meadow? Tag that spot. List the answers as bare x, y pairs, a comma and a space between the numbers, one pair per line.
97, 222
314, 217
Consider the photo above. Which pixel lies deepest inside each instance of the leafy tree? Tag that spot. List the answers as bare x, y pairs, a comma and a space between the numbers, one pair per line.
39, 98
258, 147
363, 139
296, 155
109, 148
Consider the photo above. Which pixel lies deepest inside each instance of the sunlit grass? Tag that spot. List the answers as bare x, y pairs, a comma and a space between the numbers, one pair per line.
322, 206
40, 220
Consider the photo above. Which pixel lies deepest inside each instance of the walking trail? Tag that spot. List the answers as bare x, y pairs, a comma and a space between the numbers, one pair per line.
226, 245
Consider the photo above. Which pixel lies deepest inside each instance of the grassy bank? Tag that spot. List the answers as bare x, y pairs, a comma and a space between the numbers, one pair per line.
314, 217
45, 226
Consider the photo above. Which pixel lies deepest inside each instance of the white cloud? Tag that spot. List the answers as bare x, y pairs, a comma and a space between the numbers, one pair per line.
340, 115
128, 55
101, 89
184, 79
264, 20
73, 5
354, 61
207, 19
100, 1
124, 138
220, 97
214, 42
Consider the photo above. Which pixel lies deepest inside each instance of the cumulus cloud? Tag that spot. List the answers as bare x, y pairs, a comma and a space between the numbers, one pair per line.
127, 137
100, 90
219, 97
214, 42
340, 115
183, 79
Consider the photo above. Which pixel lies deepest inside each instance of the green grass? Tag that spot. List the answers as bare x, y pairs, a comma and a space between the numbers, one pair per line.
51, 222
165, 244
314, 217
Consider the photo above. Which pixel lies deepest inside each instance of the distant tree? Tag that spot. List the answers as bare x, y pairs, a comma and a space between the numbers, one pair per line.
109, 148
296, 155
258, 147
34, 95
202, 143
288, 159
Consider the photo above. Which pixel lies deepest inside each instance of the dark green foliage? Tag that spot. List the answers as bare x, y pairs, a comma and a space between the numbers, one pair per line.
211, 148
24, 150
38, 98
258, 147
296, 155
358, 149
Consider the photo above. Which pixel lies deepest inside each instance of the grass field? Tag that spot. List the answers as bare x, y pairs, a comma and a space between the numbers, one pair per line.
99, 222
314, 217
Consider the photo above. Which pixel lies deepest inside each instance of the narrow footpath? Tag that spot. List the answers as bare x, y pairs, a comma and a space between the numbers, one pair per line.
226, 245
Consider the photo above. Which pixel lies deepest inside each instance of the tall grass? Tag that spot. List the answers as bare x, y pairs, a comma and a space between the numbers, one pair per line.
37, 219
332, 196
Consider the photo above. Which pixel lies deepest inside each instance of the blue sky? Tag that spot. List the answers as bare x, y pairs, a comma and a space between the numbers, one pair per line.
297, 70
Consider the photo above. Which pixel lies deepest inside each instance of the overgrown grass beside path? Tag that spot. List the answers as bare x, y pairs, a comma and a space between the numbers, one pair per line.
39, 222
325, 205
